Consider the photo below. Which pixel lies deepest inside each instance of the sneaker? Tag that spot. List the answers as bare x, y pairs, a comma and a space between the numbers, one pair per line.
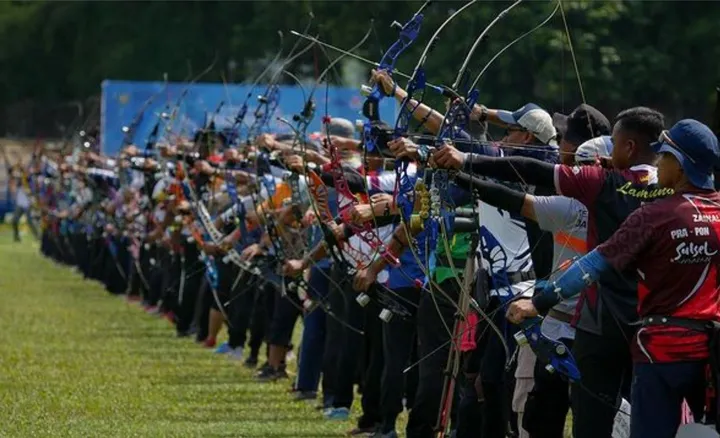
224, 348
236, 353
337, 414
326, 404
304, 395
290, 356
251, 362
209, 343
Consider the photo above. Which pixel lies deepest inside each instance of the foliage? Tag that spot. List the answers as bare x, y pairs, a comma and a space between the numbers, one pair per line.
631, 52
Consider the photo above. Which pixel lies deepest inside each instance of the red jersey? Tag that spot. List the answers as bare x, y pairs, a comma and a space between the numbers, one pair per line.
610, 197
674, 245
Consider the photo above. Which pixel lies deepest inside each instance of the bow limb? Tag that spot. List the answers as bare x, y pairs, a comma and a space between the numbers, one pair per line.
242, 112
269, 98
512, 43
201, 214
529, 331
554, 353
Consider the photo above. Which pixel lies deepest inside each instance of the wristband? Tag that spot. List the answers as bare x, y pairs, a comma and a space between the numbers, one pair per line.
423, 153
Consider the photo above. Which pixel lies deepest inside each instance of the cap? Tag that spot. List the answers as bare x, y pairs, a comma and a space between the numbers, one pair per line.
340, 127
534, 119
285, 137
592, 149
695, 147
158, 192
584, 123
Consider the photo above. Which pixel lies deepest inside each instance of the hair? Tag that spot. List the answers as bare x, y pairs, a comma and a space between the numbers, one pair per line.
645, 123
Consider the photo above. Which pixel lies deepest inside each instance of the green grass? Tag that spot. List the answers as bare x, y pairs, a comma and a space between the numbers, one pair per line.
76, 362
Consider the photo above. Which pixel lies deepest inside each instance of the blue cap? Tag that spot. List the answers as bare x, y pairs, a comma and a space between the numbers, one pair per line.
695, 147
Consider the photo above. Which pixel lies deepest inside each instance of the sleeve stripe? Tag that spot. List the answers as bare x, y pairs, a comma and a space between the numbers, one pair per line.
556, 177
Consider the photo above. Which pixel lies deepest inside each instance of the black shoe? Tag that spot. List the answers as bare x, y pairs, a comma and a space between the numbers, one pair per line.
304, 395
266, 374
251, 362
364, 430
186, 333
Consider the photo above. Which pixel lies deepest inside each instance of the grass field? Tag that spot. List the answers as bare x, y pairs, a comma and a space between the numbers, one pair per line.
76, 362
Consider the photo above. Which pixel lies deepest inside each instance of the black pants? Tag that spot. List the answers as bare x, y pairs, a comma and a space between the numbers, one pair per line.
154, 259
114, 273
548, 403
399, 339
341, 347
285, 316
469, 412
605, 366
258, 327
373, 365
241, 308
497, 381
432, 332
81, 246
493, 417
194, 279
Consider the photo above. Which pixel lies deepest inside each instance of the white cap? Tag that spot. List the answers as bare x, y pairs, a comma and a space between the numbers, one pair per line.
594, 148
340, 127
533, 118
159, 189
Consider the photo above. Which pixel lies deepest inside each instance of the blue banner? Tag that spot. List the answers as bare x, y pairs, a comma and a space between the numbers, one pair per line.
125, 101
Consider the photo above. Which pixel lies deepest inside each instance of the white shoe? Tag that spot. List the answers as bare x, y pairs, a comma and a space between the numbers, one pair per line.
290, 356
236, 353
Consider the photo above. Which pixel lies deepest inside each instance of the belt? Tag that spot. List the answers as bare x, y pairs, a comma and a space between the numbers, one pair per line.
443, 261
688, 323
513, 278
560, 316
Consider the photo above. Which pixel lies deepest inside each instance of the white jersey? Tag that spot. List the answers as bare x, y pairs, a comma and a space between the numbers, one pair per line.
504, 247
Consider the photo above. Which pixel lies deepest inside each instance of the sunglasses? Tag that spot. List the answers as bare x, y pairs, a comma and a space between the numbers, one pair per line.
510, 129
665, 138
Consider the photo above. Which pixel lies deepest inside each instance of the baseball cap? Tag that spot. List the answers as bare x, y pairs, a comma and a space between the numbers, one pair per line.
533, 118
159, 192
592, 149
695, 147
340, 127
583, 124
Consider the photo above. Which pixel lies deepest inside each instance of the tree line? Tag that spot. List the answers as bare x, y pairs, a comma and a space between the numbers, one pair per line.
662, 54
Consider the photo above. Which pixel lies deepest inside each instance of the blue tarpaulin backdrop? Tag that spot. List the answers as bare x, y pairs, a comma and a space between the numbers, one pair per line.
123, 102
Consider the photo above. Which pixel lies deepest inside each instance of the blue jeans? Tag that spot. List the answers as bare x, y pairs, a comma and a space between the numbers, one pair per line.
658, 391
312, 346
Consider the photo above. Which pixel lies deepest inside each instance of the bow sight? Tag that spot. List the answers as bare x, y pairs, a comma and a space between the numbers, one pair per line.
307, 112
